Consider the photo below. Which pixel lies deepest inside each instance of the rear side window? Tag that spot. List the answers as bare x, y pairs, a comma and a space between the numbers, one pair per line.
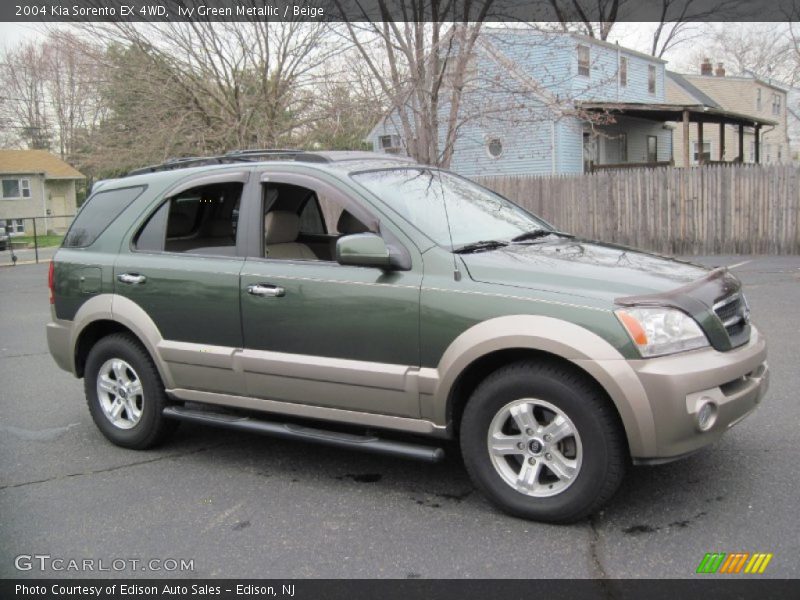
200, 220
97, 214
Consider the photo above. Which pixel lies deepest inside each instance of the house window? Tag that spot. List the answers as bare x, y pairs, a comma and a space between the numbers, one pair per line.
776, 104
583, 60
651, 79
12, 226
758, 99
389, 141
623, 71
623, 147
494, 147
16, 188
652, 149
706, 154
752, 152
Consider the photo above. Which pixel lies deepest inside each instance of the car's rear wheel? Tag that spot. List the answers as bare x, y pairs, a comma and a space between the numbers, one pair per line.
542, 442
125, 393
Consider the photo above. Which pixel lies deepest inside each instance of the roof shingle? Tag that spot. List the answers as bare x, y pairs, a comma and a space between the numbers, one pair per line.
20, 162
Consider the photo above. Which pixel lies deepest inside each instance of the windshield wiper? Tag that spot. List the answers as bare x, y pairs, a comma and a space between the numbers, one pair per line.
539, 233
479, 246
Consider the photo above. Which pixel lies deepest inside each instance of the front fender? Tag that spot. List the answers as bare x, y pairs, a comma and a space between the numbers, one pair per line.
585, 349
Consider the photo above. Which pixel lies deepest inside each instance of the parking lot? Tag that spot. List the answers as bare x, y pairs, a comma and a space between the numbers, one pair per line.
246, 506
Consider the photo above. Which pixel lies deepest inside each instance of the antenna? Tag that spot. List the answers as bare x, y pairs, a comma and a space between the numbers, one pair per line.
456, 271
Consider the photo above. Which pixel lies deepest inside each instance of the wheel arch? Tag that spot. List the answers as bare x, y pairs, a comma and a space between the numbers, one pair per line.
110, 313
494, 343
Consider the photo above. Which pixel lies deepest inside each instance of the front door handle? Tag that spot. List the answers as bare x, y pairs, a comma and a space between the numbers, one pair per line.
131, 278
265, 290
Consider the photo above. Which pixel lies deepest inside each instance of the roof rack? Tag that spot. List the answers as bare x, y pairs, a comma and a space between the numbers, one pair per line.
255, 155
265, 152
183, 163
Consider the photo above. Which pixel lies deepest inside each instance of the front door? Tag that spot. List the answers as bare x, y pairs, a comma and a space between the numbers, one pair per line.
318, 332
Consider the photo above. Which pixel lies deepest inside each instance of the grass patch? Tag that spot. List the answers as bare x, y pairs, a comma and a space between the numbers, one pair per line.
45, 241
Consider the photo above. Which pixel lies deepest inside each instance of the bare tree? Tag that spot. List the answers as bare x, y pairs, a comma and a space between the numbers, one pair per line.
594, 18
23, 98
73, 76
676, 21
764, 50
421, 67
244, 81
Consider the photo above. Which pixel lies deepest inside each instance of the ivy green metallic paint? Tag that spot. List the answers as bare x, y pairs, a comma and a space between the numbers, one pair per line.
384, 348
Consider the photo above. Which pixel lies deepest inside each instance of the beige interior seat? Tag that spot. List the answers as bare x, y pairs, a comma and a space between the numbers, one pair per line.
281, 229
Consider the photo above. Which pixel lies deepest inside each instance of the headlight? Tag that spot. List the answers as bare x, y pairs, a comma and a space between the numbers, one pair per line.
657, 331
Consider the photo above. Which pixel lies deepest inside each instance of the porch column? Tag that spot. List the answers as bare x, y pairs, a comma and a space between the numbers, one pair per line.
722, 141
758, 144
700, 159
686, 161
741, 143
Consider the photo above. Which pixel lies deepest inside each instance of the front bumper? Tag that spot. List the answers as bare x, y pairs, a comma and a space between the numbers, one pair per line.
677, 386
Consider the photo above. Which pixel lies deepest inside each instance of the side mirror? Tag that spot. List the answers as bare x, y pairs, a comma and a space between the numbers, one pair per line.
363, 250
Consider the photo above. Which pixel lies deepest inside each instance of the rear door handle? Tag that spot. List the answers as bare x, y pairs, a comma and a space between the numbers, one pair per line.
131, 278
265, 290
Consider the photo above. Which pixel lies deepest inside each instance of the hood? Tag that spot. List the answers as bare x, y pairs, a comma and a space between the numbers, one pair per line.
581, 268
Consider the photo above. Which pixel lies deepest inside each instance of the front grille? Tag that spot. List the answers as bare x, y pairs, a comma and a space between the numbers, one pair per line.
734, 314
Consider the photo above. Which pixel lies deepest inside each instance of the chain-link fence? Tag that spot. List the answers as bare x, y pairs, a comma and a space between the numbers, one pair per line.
30, 240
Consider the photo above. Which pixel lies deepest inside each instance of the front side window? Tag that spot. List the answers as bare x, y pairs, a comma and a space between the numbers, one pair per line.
430, 200
16, 188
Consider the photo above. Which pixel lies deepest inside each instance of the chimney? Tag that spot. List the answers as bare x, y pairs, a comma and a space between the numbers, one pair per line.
706, 68
720, 70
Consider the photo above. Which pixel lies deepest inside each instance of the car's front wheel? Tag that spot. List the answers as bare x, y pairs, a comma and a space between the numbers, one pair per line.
125, 393
542, 442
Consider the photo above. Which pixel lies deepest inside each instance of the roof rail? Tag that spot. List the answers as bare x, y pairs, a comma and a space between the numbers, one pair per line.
265, 152
230, 157
183, 163
254, 155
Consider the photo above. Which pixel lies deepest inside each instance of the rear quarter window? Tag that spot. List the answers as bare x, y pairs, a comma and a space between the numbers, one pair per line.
97, 213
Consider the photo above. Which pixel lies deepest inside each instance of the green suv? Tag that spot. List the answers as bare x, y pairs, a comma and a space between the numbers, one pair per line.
343, 297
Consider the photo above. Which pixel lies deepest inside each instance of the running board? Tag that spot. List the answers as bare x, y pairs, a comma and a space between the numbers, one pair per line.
291, 431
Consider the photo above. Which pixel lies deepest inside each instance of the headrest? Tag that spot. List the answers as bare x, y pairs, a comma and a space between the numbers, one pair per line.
348, 224
281, 227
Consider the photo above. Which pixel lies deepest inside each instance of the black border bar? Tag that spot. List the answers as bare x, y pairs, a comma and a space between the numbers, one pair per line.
66, 11
701, 586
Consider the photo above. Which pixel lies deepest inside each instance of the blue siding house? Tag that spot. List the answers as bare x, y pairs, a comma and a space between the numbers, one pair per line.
524, 109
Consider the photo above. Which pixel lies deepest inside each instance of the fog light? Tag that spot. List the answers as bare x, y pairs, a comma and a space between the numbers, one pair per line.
706, 416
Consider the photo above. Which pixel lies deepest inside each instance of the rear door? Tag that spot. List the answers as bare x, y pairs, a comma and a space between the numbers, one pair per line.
182, 268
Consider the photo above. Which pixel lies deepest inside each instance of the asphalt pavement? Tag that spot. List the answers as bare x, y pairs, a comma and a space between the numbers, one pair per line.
240, 505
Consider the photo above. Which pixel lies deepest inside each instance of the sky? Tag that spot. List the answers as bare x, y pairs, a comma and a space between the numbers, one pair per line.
631, 35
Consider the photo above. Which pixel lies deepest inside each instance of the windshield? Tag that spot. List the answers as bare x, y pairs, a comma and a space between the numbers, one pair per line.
422, 196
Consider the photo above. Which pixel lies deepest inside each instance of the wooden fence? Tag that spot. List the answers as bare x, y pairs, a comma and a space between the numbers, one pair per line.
716, 209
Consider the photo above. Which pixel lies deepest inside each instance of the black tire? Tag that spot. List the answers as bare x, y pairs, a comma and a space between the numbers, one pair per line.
152, 428
604, 446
